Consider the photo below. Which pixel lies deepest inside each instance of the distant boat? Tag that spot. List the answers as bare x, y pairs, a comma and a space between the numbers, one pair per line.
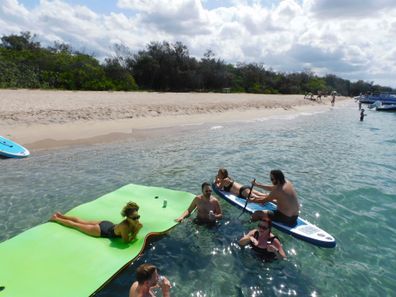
384, 98
388, 107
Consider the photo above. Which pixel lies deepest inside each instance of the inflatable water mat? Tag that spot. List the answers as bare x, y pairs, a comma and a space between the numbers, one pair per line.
54, 260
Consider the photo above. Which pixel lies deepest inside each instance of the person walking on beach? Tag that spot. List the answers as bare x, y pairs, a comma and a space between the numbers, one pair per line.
362, 114
147, 278
208, 207
333, 95
127, 229
283, 194
263, 241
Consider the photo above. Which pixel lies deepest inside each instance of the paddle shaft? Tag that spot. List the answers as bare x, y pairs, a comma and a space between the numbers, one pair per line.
248, 197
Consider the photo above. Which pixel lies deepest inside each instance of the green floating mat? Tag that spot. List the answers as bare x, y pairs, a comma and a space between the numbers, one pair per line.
54, 260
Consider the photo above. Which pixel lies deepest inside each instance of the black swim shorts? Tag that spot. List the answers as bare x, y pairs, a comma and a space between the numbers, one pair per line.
107, 229
277, 216
242, 189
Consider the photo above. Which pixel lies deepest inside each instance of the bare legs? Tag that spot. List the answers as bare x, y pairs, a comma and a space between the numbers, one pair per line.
88, 227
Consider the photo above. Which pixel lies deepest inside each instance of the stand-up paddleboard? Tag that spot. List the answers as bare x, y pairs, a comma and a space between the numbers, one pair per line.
11, 149
302, 230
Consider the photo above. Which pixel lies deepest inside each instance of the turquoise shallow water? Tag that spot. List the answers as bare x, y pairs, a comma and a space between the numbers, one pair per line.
344, 171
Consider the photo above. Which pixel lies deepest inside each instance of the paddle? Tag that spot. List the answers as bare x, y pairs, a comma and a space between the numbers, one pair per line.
247, 199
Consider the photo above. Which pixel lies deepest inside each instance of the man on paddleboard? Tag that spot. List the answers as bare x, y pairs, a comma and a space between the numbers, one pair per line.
208, 207
283, 194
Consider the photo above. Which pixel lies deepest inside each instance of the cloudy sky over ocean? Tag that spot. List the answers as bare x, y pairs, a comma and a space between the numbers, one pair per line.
354, 39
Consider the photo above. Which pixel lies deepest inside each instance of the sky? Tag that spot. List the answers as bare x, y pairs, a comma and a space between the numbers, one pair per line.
353, 39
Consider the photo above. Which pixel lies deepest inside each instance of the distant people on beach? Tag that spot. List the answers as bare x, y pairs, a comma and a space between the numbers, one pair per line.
309, 96
127, 229
208, 207
225, 183
360, 105
319, 96
263, 241
283, 194
147, 278
333, 95
362, 114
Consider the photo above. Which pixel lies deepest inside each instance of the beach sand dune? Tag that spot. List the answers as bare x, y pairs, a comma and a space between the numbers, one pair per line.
39, 117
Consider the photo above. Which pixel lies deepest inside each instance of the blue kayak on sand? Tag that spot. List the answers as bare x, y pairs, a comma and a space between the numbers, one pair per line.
11, 149
302, 230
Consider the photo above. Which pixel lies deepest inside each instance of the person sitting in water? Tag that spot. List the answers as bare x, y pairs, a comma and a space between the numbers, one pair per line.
225, 183
127, 229
147, 278
263, 241
208, 207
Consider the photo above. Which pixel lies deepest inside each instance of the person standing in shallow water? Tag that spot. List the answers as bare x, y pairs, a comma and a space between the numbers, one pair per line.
362, 114
147, 278
208, 207
263, 241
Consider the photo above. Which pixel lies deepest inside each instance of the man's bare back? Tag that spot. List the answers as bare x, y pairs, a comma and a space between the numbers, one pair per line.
286, 198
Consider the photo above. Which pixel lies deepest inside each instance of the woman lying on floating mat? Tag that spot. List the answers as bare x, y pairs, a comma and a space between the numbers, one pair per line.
127, 229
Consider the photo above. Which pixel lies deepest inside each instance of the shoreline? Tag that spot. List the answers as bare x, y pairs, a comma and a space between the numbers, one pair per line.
53, 119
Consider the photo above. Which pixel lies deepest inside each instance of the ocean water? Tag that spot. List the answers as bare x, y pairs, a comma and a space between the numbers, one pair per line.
344, 172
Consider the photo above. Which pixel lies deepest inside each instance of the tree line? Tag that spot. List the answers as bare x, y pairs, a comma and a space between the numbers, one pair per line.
161, 66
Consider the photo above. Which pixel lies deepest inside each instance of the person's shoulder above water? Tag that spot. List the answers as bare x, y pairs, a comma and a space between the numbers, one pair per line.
147, 278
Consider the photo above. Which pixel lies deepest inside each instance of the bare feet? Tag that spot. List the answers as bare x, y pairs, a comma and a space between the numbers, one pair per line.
54, 217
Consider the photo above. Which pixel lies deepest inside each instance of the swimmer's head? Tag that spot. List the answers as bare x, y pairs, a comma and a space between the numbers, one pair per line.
223, 173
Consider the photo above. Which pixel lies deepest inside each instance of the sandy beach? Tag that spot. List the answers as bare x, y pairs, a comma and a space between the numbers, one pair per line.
42, 119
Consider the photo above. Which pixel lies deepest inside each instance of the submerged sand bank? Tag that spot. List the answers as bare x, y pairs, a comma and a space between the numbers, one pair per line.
44, 119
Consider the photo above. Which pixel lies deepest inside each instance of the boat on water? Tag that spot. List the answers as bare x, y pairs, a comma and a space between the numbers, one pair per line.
384, 98
388, 107
377, 105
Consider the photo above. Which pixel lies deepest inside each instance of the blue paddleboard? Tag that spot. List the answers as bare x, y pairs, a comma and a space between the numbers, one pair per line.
11, 149
303, 230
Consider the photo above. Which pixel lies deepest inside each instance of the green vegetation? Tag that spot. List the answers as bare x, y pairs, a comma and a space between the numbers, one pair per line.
24, 63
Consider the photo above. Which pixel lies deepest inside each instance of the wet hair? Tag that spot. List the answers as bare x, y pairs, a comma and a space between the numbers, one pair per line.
204, 185
129, 209
257, 215
145, 272
223, 172
278, 176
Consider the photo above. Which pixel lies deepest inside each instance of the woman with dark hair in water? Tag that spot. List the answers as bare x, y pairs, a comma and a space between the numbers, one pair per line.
127, 229
225, 183
263, 241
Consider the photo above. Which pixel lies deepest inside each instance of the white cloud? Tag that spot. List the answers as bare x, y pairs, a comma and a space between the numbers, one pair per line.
352, 39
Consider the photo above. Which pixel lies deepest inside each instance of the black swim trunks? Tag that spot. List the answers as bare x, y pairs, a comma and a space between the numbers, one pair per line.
277, 216
243, 188
107, 229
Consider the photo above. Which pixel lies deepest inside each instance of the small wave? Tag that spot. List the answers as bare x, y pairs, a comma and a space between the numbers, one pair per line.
192, 124
216, 127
